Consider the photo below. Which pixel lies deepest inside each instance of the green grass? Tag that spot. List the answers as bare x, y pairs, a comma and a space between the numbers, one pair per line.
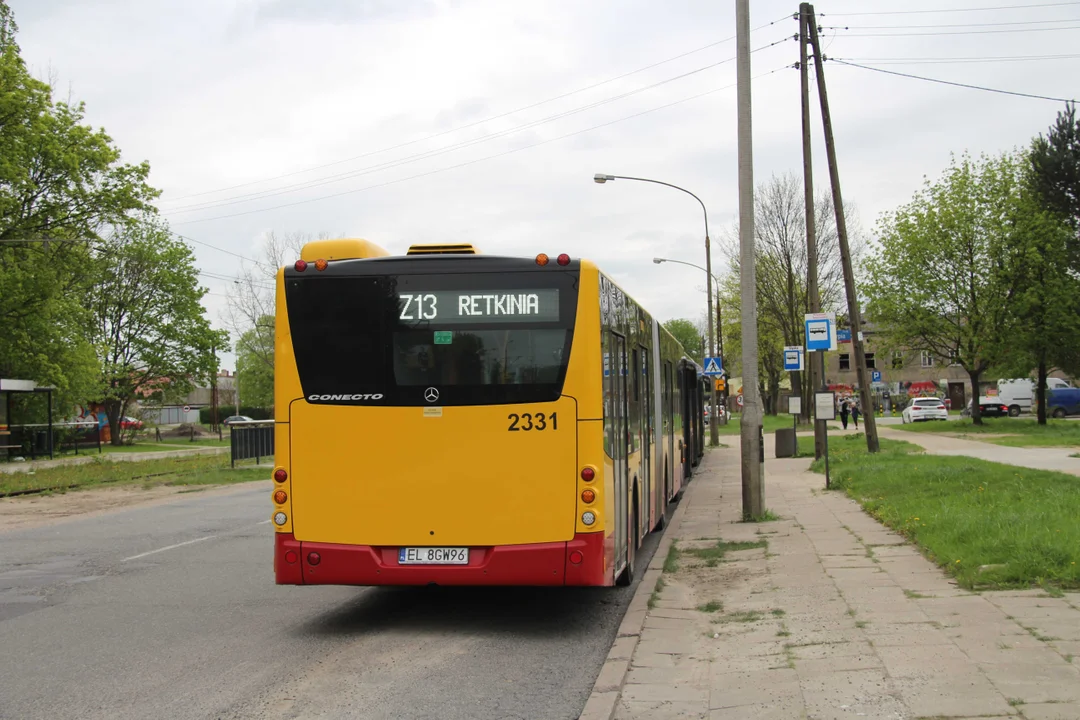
1020, 432
769, 423
711, 606
713, 555
188, 470
766, 516
671, 562
151, 446
966, 513
659, 588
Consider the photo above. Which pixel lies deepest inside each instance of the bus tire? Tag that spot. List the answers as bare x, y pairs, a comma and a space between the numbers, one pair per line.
626, 577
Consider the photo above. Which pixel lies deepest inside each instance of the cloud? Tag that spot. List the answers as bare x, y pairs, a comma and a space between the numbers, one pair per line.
249, 96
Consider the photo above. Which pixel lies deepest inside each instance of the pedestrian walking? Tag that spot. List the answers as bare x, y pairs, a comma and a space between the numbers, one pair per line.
843, 413
855, 414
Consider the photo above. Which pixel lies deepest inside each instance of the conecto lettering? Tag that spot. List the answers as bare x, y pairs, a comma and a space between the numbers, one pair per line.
368, 396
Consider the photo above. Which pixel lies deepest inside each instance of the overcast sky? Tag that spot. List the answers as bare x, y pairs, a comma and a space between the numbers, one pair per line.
483, 121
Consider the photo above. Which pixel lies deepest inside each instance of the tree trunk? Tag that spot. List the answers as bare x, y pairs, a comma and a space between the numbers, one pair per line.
976, 414
1040, 390
114, 409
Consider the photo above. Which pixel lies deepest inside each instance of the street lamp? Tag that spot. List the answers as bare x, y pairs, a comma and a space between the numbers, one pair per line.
600, 179
719, 315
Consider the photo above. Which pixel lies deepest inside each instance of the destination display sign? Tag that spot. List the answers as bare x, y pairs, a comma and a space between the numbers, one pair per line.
479, 306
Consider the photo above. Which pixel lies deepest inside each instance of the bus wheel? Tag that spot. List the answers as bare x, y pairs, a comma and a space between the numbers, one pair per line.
626, 577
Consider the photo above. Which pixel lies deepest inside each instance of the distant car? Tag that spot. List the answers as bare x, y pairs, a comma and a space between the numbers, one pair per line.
988, 407
724, 413
235, 419
920, 409
1063, 401
130, 423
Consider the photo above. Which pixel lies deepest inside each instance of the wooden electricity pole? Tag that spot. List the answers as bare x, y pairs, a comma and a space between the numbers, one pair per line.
815, 360
863, 378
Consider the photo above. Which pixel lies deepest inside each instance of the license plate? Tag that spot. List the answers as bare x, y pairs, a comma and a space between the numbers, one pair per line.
433, 556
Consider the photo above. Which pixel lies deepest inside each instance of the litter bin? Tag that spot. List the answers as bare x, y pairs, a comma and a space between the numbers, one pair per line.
785, 442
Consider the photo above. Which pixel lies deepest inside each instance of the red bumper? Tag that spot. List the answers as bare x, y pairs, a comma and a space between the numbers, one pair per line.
577, 562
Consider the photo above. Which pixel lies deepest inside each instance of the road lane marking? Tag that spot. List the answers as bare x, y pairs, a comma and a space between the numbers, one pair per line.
186, 542
168, 547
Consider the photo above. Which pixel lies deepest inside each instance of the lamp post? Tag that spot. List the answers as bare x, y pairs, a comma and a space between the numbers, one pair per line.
719, 311
601, 178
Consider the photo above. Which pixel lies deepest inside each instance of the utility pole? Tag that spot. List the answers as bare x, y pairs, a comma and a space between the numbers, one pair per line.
865, 397
753, 451
815, 360
213, 394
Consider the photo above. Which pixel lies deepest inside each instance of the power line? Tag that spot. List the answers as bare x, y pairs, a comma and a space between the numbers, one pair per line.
478, 160
219, 249
952, 10
952, 32
957, 84
955, 60
477, 122
952, 25
319, 182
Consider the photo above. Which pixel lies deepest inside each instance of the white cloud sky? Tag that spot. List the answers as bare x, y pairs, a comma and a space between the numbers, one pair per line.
218, 94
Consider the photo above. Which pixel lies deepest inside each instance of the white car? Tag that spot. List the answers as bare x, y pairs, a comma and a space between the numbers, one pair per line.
919, 409
723, 412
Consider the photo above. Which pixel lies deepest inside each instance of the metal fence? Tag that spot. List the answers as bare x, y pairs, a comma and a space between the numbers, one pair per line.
251, 439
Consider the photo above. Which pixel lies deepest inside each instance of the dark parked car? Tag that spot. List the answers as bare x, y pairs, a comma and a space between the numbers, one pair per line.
1063, 401
988, 407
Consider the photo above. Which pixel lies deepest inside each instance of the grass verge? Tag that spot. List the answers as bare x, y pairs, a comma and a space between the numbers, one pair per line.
189, 470
769, 423
1010, 432
989, 525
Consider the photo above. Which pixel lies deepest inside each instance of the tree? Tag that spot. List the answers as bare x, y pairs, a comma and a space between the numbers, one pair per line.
253, 374
148, 322
947, 277
1055, 165
781, 275
251, 311
61, 183
686, 332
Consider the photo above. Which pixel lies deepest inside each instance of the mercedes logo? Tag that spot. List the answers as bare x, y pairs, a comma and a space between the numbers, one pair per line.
431, 395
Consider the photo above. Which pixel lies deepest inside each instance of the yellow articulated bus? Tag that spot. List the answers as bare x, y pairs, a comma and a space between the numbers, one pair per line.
453, 418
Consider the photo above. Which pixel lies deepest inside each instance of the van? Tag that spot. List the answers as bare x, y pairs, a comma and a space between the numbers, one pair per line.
1019, 393
1063, 401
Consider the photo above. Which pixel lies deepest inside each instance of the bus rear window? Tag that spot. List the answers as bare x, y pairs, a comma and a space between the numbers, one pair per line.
438, 339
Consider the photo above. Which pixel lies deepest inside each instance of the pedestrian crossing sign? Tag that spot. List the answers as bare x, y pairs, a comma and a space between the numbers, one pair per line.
713, 366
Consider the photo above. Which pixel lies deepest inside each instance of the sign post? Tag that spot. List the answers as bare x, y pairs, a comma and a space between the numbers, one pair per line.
794, 408
825, 410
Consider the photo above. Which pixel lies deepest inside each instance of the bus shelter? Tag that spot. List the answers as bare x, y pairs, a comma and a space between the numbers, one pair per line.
16, 437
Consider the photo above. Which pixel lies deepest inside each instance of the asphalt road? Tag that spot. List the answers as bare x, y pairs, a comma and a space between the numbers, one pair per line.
171, 611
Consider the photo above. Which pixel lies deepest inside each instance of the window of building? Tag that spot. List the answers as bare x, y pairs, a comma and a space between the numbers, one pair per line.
927, 359
870, 362
845, 361
898, 360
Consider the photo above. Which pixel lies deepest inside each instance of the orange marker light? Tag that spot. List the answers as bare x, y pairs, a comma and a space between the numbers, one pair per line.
541, 259
320, 264
588, 495
280, 497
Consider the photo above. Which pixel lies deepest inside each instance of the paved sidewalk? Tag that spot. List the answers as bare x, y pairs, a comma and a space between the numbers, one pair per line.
1046, 458
837, 617
13, 467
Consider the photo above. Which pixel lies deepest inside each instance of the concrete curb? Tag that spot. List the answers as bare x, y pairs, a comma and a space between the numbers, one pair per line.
609, 683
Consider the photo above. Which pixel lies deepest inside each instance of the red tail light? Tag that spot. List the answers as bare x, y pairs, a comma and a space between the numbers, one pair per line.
587, 474
314, 558
280, 475
576, 557
300, 265
563, 259
940, 407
